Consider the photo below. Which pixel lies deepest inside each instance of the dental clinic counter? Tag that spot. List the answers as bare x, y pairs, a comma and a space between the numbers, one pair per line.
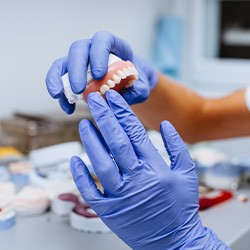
230, 220
53, 233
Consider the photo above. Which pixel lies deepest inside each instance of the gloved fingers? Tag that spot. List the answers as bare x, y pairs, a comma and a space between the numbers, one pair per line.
113, 134
99, 156
140, 89
104, 43
53, 79
131, 125
65, 105
137, 93
179, 156
84, 181
55, 85
77, 65
148, 70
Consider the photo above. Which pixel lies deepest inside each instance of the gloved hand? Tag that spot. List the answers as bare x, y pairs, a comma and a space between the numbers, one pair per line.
96, 51
146, 203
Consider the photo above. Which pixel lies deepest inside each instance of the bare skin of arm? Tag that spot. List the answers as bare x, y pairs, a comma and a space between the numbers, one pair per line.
196, 118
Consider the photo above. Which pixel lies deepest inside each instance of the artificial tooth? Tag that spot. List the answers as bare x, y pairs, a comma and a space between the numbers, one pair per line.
121, 74
136, 72
104, 88
130, 83
127, 71
116, 79
132, 70
111, 83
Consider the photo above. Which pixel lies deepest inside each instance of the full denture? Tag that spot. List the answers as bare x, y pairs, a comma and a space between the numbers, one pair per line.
120, 75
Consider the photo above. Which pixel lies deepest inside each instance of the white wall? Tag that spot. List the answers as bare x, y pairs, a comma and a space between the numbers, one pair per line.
34, 33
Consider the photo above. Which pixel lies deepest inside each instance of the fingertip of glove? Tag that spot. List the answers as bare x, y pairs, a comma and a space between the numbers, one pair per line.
84, 124
169, 133
96, 103
137, 93
55, 90
78, 87
98, 73
165, 129
77, 167
74, 161
66, 107
93, 97
165, 124
112, 96
68, 110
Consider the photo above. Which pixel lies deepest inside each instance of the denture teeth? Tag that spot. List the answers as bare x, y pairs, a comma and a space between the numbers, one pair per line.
131, 70
127, 71
130, 83
136, 77
136, 72
121, 74
116, 79
104, 88
111, 83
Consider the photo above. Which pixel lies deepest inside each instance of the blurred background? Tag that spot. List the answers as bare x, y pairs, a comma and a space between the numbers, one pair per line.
204, 44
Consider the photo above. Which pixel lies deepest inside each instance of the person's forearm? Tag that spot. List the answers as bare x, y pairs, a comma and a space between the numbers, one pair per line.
196, 118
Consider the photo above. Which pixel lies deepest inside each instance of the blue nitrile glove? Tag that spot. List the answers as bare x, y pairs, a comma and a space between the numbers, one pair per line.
96, 51
146, 203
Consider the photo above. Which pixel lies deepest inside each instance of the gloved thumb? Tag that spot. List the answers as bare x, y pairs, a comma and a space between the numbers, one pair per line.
179, 156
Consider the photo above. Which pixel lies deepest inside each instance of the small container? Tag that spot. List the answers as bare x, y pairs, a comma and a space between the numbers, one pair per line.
63, 204
214, 198
85, 219
223, 176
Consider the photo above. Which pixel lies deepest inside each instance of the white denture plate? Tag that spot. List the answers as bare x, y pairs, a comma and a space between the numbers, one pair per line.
70, 95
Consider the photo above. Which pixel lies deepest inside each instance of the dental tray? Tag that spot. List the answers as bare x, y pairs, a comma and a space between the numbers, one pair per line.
31, 131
